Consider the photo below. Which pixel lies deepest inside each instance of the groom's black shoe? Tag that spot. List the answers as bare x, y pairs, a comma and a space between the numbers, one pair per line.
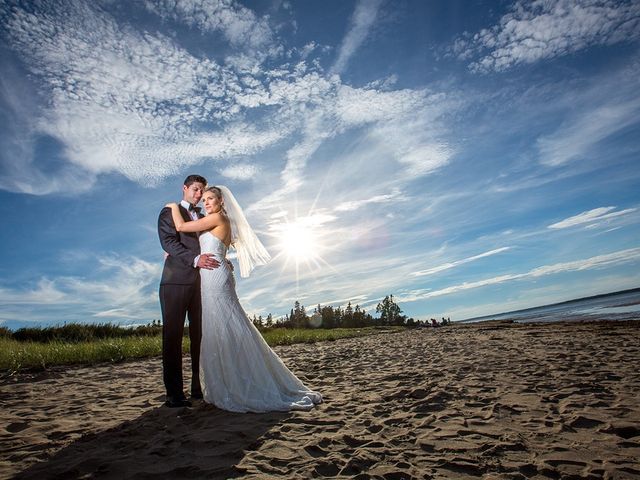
177, 402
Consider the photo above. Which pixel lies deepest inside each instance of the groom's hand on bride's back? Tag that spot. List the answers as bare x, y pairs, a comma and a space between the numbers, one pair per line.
208, 261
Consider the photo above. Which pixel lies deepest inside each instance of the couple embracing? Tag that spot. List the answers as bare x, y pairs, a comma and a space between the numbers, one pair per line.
233, 368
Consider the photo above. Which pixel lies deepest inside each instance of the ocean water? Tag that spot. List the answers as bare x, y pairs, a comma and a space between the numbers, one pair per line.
612, 306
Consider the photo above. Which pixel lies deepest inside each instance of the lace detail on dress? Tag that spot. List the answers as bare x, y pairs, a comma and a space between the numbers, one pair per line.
239, 372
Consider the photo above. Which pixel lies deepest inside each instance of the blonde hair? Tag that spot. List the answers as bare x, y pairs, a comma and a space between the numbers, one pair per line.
218, 193
215, 190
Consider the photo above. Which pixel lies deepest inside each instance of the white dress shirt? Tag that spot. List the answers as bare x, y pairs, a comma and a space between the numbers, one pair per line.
194, 216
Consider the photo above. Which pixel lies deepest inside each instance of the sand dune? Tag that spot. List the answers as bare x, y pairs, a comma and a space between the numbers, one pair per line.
494, 401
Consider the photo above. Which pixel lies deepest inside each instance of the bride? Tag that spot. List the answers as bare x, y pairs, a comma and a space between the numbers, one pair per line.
238, 370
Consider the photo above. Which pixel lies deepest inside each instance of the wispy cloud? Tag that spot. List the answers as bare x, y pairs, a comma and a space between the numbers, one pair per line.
45, 292
576, 139
537, 30
356, 204
141, 105
401, 127
362, 20
239, 25
591, 218
449, 265
545, 294
118, 97
240, 171
599, 261
123, 287
575, 122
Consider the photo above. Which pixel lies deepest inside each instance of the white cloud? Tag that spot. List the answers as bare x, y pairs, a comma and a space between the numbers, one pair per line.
130, 102
44, 293
308, 49
240, 171
576, 139
358, 106
593, 218
362, 20
422, 159
416, 144
135, 103
401, 126
240, 26
545, 295
584, 217
541, 29
384, 83
449, 265
126, 285
300, 154
599, 261
395, 196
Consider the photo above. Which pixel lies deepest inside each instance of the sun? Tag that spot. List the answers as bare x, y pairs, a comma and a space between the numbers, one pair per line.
301, 242
298, 242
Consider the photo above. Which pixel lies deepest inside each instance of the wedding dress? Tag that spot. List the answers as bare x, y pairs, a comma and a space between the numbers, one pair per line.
239, 372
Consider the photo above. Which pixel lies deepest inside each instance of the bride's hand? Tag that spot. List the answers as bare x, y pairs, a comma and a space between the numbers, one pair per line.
170, 205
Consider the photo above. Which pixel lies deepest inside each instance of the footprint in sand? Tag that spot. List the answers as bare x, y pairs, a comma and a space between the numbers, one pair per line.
17, 427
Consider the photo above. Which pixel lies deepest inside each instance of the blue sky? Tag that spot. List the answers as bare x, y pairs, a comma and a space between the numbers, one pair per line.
468, 157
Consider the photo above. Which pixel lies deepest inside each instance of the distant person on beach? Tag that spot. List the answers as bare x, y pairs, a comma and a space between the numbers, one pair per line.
238, 372
180, 292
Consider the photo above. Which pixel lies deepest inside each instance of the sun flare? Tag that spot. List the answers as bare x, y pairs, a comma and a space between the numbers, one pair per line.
298, 242
301, 242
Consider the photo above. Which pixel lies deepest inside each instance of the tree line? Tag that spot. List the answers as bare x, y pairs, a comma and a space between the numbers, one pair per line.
337, 317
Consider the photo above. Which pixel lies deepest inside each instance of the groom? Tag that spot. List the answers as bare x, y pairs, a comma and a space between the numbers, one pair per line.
180, 293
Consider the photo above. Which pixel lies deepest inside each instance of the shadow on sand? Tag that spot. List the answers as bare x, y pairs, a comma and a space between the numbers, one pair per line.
198, 442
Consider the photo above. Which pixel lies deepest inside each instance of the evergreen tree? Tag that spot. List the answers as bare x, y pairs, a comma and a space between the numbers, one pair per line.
299, 317
359, 317
390, 312
338, 317
328, 320
348, 317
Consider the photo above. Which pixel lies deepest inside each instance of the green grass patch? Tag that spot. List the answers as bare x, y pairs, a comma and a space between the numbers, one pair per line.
80, 332
15, 355
287, 336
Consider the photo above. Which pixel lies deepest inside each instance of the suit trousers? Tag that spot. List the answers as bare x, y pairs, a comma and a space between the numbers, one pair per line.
176, 302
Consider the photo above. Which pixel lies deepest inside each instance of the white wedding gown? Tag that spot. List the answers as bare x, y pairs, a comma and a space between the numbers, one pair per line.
238, 370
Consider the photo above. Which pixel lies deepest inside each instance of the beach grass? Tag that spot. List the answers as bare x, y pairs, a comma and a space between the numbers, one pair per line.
288, 336
16, 355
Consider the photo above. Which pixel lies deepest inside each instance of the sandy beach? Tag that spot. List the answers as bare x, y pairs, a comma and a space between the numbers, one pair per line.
494, 401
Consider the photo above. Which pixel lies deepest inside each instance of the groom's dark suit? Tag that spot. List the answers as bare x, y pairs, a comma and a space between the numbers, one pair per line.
179, 296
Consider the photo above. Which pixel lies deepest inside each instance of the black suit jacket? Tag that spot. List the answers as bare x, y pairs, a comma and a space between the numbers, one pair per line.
182, 247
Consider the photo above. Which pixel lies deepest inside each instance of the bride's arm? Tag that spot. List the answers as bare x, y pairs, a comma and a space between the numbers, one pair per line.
200, 225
